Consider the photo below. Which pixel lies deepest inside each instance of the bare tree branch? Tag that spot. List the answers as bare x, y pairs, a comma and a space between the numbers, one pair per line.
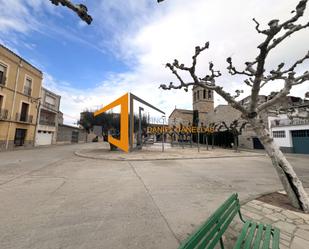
255, 71
80, 9
232, 70
207, 82
269, 43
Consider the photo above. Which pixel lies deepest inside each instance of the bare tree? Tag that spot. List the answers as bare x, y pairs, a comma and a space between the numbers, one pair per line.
235, 128
80, 9
256, 78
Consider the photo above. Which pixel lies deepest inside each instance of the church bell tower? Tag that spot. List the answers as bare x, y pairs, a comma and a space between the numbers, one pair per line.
203, 102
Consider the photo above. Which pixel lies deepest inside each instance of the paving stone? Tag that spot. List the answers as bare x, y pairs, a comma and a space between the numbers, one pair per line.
272, 207
279, 216
287, 227
267, 211
257, 202
286, 236
299, 243
254, 205
272, 217
283, 247
266, 221
253, 210
302, 215
284, 242
299, 222
251, 215
289, 214
304, 227
303, 234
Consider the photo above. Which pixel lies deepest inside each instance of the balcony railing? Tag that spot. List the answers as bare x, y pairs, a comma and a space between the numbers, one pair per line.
20, 117
47, 122
4, 114
288, 122
27, 90
49, 106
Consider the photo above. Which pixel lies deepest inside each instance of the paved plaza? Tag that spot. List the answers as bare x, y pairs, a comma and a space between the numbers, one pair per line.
51, 198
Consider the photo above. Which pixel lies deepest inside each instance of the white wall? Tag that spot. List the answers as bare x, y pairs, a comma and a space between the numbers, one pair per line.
287, 140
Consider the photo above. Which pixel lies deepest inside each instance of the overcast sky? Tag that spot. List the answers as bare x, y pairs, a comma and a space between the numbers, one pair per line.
129, 41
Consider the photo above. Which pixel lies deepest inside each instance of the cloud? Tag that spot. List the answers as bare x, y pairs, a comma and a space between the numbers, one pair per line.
145, 36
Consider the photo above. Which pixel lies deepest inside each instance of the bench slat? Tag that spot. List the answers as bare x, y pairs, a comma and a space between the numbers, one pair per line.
219, 223
258, 236
267, 237
242, 235
220, 233
276, 238
197, 236
250, 235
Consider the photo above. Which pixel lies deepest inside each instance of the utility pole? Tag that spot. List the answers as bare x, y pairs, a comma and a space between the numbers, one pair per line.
140, 109
163, 117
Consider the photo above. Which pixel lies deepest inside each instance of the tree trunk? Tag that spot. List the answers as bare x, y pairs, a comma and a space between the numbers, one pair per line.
235, 143
291, 183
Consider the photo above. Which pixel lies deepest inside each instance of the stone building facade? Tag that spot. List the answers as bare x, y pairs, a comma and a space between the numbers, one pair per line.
180, 116
69, 134
20, 86
203, 102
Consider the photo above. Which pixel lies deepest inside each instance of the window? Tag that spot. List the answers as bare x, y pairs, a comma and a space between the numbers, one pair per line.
27, 87
198, 95
3, 112
24, 112
209, 94
50, 100
204, 94
1, 102
300, 133
3, 70
194, 96
279, 134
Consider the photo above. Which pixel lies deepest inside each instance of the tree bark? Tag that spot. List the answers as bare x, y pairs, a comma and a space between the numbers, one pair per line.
291, 183
235, 143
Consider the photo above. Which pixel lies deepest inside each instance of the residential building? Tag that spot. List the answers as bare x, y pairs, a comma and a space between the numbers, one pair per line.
48, 118
70, 134
291, 135
20, 86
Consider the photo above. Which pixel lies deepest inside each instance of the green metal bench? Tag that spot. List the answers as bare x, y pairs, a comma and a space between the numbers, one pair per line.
252, 235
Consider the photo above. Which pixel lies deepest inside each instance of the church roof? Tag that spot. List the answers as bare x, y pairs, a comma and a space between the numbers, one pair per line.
182, 111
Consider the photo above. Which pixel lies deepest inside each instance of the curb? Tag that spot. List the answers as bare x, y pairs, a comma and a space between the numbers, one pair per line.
79, 154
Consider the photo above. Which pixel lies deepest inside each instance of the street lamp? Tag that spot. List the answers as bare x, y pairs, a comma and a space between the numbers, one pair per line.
140, 109
163, 118
198, 136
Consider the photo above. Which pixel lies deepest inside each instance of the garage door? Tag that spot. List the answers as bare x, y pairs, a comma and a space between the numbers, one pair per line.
300, 140
44, 138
